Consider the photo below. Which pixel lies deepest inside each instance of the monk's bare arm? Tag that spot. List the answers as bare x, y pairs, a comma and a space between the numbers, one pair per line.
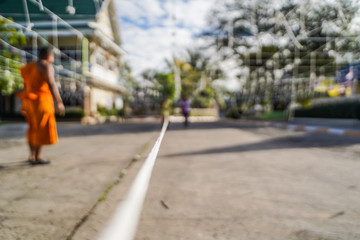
50, 73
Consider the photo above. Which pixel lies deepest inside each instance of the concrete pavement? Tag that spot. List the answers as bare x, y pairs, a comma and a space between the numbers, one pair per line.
48, 202
240, 181
214, 180
346, 124
341, 127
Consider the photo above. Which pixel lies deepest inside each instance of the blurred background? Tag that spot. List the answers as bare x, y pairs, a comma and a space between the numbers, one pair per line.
264, 59
127, 61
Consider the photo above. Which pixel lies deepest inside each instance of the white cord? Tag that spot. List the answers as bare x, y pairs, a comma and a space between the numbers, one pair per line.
126, 218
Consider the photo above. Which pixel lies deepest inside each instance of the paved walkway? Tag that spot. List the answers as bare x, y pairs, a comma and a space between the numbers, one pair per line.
47, 202
214, 180
240, 181
341, 127
346, 124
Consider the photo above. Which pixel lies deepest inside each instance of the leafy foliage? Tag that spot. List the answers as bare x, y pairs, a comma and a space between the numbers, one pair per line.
204, 98
197, 74
165, 85
275, 42
10, 77
339, 110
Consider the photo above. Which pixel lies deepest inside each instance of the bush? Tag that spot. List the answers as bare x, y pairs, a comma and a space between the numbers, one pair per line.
276, 115
204, 99
200, 102
73, 113
233, 112
122, 112
340, 110
103, 111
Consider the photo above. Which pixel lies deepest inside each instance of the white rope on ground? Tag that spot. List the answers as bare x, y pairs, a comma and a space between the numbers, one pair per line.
124, 223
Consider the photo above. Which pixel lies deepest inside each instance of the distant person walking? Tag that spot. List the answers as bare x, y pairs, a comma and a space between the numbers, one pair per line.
38, 104
185, 109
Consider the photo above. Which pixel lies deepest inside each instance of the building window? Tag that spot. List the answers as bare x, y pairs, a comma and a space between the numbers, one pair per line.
70, 53
112, 65
100, 59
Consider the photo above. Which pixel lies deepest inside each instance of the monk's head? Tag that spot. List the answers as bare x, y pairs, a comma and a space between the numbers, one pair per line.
47, 54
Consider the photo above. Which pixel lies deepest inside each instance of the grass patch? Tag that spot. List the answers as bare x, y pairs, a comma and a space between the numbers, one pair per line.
102, 197
106, 192
109, 187
276, 115
123, 172
143, 149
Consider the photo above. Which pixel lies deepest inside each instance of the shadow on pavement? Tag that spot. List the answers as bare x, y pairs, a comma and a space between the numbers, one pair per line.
76, 129
304, 141
14, 165
73, 129
310, 140
211, 125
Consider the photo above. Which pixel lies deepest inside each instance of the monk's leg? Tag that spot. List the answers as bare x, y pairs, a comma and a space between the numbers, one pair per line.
32, 152
38, 153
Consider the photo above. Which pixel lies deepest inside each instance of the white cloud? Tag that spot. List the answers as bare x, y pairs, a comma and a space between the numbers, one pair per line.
141, 12
155, 30
192, 14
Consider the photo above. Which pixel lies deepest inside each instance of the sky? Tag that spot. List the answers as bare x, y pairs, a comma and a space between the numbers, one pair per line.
154, 30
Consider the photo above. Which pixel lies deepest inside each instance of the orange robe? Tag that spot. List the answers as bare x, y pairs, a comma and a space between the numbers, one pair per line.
38, 107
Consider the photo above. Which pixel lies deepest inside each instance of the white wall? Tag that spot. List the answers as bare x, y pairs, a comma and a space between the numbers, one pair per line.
100, 97
104, 74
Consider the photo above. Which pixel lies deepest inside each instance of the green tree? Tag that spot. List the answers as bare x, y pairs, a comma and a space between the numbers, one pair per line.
165, 85
282, 46
10, 77
197, 74
161, 90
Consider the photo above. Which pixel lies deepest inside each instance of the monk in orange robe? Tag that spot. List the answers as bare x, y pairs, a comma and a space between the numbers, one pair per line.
38, 104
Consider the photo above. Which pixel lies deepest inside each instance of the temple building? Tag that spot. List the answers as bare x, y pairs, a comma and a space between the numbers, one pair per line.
86, 38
